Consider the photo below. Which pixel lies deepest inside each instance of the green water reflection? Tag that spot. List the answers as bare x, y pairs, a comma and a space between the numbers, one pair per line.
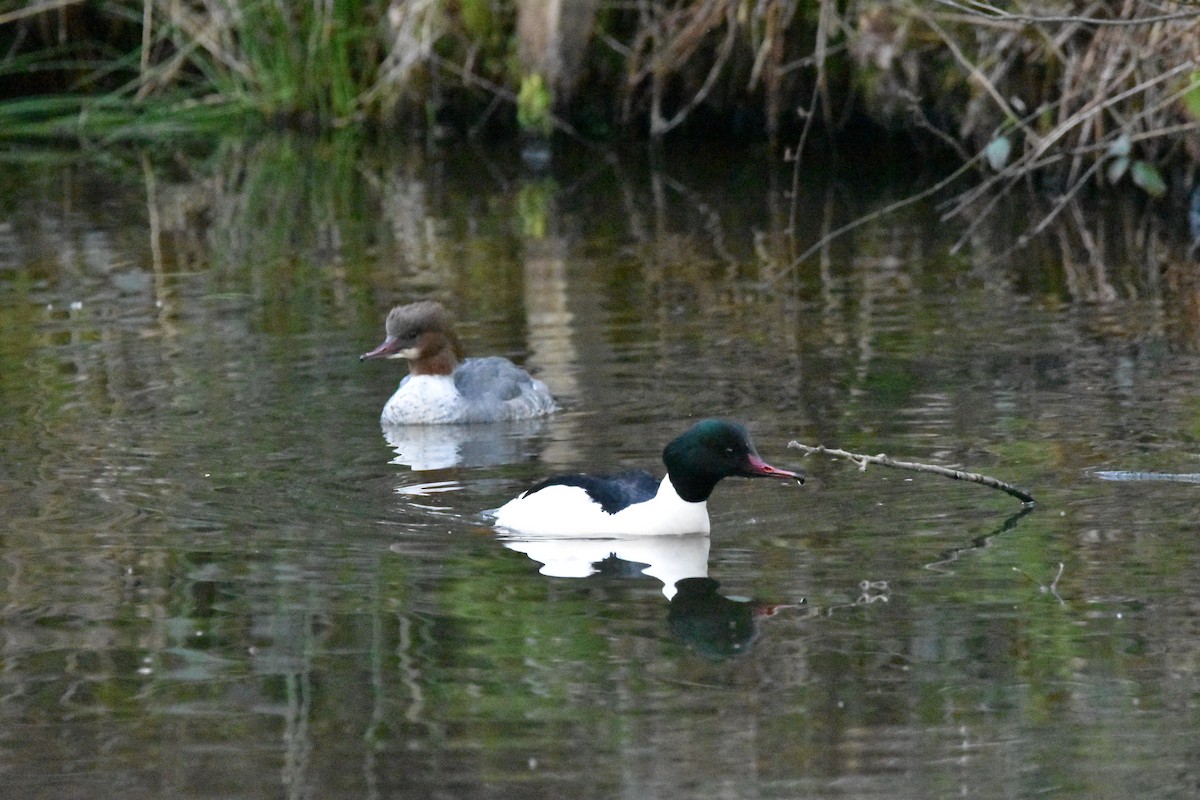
219, 579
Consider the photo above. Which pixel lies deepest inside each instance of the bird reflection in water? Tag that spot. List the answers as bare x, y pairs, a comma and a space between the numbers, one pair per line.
712, 625
424, 448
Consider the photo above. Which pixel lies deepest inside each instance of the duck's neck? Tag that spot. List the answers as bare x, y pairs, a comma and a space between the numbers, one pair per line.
669, 492
436, 355
689, 485
670, 513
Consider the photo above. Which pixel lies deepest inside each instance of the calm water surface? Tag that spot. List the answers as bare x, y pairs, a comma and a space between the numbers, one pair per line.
218, 578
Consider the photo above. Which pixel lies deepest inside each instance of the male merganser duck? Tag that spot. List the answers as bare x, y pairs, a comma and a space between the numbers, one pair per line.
442, 388
636, 502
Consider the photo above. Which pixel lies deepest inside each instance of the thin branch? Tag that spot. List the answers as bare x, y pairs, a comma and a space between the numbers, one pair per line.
945, 472
810, 60
469, 78
1101, 103
660, 126
1028, 161
1059, 205
796, 157
34, 9
991, 12
981, 79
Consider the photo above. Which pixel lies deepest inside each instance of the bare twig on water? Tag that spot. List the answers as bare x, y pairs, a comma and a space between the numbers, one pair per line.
945, 472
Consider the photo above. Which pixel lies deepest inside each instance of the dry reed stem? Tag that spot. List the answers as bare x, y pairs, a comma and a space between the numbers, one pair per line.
412, 28
147, 38
998, 14
977, 74
204, 29
33, 9
658, 124
1110, 88
1032, 161
671, 39
821, 52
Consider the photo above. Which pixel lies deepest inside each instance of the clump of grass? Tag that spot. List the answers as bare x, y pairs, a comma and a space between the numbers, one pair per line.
305, 62
320, 65
111, 118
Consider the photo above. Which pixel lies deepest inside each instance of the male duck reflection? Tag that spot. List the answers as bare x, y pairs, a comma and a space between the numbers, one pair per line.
442, 388
637, 503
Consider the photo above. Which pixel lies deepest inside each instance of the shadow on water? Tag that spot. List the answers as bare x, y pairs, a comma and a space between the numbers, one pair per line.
218, 577
716, 626
948, 557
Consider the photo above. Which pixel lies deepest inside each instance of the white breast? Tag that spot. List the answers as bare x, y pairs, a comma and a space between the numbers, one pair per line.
424, 399
492, 394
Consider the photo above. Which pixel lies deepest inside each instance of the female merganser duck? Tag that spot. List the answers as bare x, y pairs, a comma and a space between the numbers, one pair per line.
636, 502
442, 388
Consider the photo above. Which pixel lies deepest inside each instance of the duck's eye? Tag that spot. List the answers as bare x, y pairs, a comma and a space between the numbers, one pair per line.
729, 451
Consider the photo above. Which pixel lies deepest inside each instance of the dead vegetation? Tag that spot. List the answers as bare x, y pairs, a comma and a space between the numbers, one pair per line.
1057, 96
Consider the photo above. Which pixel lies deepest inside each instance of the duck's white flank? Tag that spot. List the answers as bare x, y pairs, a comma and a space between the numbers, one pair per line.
569, 510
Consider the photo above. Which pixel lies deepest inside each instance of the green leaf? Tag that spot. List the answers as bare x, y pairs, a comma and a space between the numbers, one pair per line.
1116, 170
1121, 147
1148, 178
1191, 98
997, 152
533, 105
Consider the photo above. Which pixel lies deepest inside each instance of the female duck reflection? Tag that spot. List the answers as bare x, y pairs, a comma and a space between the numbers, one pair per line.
433, 447
431, 419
